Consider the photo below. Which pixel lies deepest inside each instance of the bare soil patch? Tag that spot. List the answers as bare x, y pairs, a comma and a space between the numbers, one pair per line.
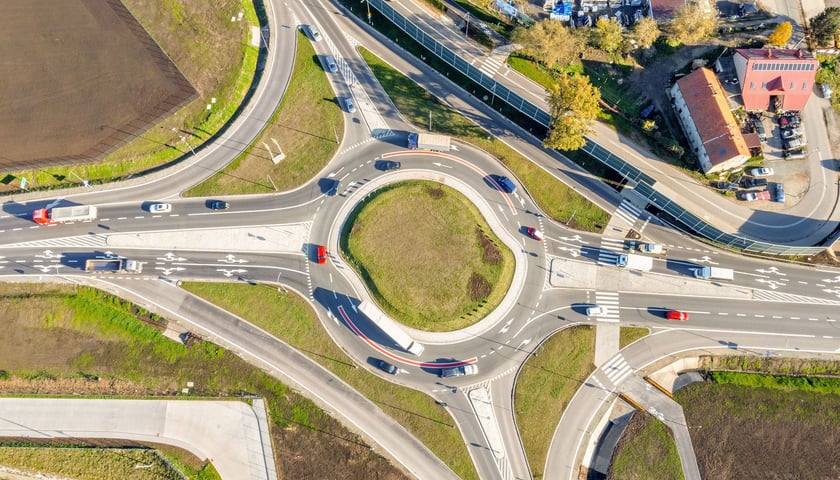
82, 77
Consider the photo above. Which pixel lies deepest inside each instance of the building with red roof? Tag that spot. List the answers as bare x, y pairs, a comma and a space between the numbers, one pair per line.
775, 79
704, 114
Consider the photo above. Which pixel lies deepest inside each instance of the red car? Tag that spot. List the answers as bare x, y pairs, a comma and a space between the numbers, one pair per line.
322, 254
676, 315
535, 234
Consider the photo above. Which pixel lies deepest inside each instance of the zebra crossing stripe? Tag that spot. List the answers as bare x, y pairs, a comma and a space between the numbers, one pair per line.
628, 212
617, 369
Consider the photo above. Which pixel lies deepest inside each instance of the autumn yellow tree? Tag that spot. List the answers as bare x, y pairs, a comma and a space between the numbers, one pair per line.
549, 42
646, 32
574, 106
692, 23
607, 34
781, 35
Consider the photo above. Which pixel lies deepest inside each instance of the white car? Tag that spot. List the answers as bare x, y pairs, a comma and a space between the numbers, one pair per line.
595, 310
160, 208
650, 248
760, 171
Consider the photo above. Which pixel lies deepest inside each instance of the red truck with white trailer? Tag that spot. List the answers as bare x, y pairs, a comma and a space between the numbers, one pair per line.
78, 213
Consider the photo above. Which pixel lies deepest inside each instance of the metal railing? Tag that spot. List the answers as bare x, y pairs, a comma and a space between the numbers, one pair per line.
644, 182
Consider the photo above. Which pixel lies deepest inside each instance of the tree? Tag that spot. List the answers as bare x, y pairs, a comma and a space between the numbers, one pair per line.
549, 43
781, 35
607, 34
692, 23
574, 105
646, 32
826, 25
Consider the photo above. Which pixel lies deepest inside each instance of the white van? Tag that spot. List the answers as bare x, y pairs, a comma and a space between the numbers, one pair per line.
826, 90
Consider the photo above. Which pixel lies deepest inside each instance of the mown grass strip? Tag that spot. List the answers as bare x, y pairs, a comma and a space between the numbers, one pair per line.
305, 127
650, 452
829, 385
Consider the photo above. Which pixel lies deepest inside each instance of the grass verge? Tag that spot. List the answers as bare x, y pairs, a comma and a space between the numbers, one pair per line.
646, 450
61, 340
305, 125
290, 318
212, 52
403, 240
628, 335
554, 197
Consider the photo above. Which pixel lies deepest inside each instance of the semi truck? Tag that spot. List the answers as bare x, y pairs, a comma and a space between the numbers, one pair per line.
391, 328
714, 272
429, 141
113, 265
78, 213
634, 262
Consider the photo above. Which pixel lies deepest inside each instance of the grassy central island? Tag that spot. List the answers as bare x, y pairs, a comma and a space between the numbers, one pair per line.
427, 256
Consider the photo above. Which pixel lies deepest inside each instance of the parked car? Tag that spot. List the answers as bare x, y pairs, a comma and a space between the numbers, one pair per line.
459, 371
506, 185
348, 104
218, 205
794, 143
160, 208
726, 185
759, 129
792, 132
321, 256
535, 234
753, 196
826, 90
676, 315
595, 310
794, 154
387, 367
752, 182
779, 193
760, 171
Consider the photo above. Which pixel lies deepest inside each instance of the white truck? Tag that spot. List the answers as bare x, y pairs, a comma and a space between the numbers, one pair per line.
429, 141
78, 213
113, 265
391, 328
714, 272
634, 262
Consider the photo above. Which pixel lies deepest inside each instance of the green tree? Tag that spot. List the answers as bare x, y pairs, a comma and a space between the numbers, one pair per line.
646, 32
574, 105
549, 43
607, 34
691, 24
826, 26
781, 34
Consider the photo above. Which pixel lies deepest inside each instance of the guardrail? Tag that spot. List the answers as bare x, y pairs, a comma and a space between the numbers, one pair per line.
644, 182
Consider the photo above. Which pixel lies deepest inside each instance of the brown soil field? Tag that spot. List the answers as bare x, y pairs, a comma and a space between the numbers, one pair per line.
81, 77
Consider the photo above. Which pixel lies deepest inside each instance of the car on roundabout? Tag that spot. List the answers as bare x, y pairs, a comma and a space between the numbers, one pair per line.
535, 234
321, 254
676, 315
458, 371
387, 367
386, 165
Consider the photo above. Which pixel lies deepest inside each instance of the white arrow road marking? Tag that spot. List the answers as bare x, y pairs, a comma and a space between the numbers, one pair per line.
230, 273
231, 258
441, 165
506, 327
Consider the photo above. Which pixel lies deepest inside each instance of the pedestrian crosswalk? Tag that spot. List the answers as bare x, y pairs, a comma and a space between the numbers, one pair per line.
617, 369
609, 252
608, 300
490, 66
628, 212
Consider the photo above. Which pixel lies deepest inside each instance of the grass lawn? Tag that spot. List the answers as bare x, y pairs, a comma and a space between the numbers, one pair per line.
304, 125
215, 56
290, 318
628, 335
61, 339
646, 450
428, 256
556, 199
546, 385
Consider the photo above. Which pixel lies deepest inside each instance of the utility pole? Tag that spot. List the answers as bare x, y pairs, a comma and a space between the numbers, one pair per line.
430, 120
335, 132
467, 29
